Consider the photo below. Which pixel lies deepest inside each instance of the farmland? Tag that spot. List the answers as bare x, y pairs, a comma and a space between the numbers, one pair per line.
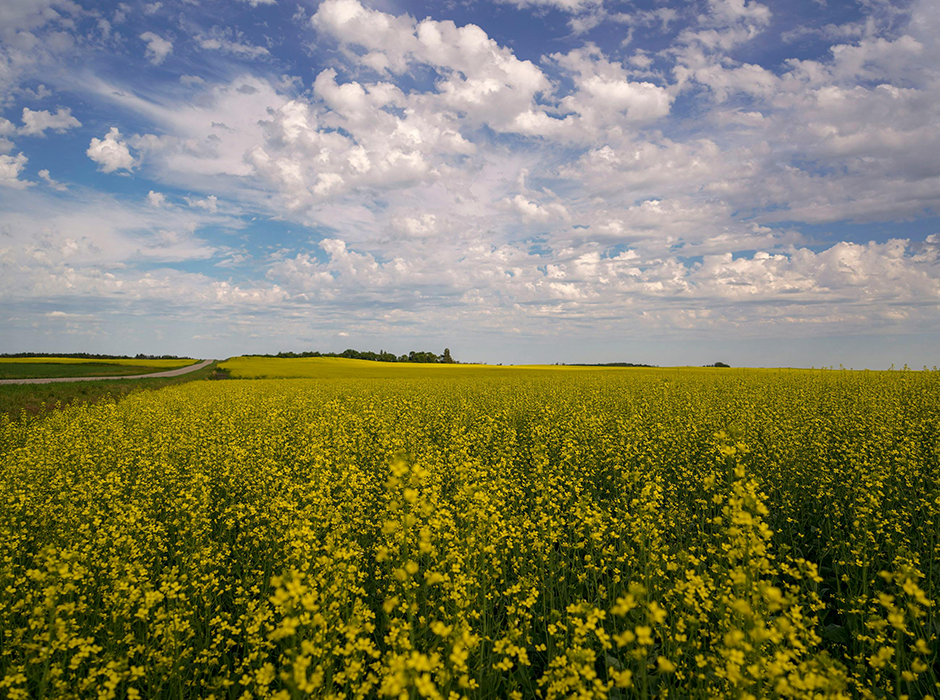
18, 400
479, 532
38, 367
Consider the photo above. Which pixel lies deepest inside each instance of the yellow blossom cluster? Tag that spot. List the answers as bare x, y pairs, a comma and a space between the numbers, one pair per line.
468, 535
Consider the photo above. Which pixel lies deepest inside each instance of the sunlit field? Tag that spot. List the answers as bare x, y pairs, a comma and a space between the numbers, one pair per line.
457, 532
340, 368
254, 367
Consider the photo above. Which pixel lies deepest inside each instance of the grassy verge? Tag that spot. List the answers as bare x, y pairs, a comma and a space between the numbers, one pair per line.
37, 370
37, 399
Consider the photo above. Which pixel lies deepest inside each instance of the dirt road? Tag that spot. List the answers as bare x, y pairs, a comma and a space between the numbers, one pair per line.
168, 373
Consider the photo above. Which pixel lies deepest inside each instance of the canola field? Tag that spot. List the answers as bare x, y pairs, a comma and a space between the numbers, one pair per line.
480, 534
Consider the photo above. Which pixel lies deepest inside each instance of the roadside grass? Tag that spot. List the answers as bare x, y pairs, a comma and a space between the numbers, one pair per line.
36, 370
19, 400
219, 372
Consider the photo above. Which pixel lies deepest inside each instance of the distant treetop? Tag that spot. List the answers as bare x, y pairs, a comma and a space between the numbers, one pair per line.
380, 356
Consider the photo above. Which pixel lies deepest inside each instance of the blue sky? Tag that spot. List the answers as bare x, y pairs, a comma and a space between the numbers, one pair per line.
521, 180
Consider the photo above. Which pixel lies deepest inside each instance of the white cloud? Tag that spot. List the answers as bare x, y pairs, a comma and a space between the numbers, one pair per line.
236, 47
35, 35
10, 169
726, 24
480, 79
36, 123
158, 48
156, 199
202, 138
210, 203
54, 184
120, 14
506, 284
732, 11
605, 96
111, 153
29, 15
565, 5
532, 211
424, 226
88, 230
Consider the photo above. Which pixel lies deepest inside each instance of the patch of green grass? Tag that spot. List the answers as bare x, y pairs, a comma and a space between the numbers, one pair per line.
36, 370
39, 399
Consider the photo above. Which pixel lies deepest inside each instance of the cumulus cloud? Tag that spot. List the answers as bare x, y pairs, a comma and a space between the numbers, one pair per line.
532, 211
156, 199
605, 97
10, 169
36, 123
111, 153
846, 283
423, 226
158, 48
481, 79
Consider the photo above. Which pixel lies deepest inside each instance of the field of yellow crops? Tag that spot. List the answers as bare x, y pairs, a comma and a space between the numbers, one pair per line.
479, 534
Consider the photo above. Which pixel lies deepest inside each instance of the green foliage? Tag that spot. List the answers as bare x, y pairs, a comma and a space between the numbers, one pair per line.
381, 356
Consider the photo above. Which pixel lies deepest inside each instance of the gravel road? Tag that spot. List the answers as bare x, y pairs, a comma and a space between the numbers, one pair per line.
168, 373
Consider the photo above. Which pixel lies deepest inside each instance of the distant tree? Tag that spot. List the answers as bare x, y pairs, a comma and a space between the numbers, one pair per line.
353, 354
423, 357
718, 364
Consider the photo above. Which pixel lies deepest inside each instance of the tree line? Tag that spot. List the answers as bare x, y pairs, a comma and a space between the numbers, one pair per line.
423, 357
